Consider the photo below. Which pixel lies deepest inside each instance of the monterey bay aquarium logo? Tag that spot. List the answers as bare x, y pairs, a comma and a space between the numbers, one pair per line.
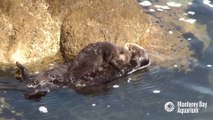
185, 107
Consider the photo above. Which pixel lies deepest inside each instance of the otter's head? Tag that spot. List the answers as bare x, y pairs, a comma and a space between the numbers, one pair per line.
121, 57
139, 56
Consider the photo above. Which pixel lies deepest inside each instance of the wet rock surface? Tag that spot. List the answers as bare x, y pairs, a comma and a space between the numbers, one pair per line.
92, 21
28, 32
170, 44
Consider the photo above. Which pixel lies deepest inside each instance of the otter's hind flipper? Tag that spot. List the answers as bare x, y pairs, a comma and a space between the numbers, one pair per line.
24, 73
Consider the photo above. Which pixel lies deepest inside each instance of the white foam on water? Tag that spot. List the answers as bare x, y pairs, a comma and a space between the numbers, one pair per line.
115, 86
43, 109
208, 3
209, 65
156, 91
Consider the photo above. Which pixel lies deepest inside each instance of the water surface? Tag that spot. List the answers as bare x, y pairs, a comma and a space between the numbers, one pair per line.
140, 96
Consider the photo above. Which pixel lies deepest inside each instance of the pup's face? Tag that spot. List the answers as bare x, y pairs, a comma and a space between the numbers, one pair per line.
121, 58
139, 56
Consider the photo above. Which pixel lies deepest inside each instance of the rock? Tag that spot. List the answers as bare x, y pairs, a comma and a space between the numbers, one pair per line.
120, 22
37, 32
117, 21
166, 50
28, 32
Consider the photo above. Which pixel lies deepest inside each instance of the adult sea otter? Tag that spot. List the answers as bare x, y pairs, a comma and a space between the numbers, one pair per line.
96, 65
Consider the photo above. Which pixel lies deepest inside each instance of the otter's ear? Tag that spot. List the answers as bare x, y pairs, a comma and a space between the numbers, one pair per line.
126, 46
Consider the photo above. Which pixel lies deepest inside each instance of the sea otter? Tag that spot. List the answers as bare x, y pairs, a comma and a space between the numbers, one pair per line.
95, 56
96, 65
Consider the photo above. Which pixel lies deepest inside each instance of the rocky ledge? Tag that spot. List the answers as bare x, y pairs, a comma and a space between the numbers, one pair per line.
41, 32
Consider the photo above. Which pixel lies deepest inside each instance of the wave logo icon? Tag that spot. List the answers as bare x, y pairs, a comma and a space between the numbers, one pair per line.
169, 106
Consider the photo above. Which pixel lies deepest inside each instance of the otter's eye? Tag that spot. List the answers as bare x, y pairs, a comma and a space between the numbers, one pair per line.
52, 76
122, 52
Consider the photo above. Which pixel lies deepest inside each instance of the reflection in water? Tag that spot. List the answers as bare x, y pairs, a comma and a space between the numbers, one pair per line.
134, 99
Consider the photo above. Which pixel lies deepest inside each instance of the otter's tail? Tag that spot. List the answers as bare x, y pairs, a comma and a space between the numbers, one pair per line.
24, 73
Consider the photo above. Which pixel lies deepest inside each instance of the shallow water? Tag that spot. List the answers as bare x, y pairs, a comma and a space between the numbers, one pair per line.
142, 97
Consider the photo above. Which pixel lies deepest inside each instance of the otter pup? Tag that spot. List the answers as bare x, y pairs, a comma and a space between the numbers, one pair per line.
94, 66
95, 56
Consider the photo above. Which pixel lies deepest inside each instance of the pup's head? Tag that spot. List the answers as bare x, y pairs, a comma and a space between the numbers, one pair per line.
121, 58
139, 57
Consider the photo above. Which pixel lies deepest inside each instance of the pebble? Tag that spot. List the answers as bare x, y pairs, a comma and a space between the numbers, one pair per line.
115, 86
185, 14
43, 109
174, 4
161, 10
181, 19
156, 91
36, 72
189, 39
145, 3
191, 12
175, 66
170, 32
152, 10
209, 65
190, 3
162, 7
191, 21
